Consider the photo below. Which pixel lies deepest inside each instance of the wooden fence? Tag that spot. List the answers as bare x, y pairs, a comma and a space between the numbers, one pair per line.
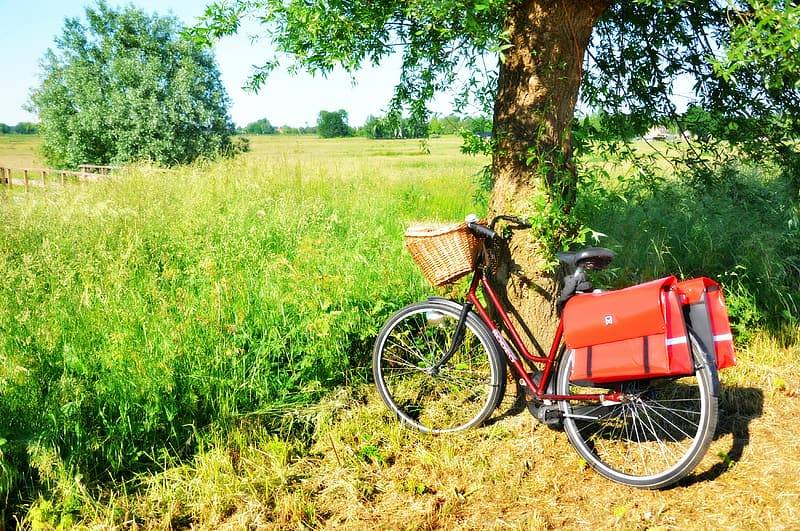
44, 177
93, 168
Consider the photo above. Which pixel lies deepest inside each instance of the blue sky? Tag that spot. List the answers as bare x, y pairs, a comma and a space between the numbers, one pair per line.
29, 27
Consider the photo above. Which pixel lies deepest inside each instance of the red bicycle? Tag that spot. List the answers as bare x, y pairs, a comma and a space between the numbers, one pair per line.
440, 366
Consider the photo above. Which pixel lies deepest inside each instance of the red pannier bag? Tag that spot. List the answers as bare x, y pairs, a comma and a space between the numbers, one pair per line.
628, 334
708, 317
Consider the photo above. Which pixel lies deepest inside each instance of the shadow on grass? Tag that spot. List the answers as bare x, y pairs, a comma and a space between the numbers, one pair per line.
509, 409
738, 407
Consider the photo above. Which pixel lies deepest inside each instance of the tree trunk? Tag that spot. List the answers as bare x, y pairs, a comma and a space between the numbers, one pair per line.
537, 93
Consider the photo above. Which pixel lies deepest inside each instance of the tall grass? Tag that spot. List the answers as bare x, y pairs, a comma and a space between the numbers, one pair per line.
153, 318
137, 313
739, 231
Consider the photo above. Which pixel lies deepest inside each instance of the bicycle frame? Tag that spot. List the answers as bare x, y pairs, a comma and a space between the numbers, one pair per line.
479, 279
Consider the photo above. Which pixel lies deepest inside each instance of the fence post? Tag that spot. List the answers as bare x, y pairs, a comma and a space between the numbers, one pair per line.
63, 179
27, 183
44, 178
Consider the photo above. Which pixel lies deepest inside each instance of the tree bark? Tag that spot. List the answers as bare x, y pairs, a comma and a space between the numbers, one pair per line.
537, 92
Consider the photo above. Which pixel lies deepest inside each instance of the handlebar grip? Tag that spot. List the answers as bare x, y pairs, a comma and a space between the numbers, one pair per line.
482, 230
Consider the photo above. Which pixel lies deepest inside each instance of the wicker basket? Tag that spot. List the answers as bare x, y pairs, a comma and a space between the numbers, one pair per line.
443, 252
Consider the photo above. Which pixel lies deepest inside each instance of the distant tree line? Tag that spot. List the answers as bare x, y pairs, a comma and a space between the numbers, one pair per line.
22, 128
695, 121
332, 124
409, 127
264, 127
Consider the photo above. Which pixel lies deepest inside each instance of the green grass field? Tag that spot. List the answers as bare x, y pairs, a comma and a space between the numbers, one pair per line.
192, 349
20, 151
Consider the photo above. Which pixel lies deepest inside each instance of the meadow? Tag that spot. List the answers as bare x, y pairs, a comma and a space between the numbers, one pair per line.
20, 151
193, 349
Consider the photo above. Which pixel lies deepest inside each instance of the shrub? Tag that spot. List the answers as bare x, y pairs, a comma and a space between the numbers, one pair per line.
738, 232
332, 124
125, 87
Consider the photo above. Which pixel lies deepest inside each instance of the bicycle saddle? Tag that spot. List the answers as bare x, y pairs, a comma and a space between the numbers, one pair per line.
590, 258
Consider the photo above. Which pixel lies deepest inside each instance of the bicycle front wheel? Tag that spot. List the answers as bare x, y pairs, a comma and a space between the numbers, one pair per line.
655, 435
460, 393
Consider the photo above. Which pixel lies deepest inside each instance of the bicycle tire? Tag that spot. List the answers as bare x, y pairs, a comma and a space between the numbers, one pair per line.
465, 391
663, 424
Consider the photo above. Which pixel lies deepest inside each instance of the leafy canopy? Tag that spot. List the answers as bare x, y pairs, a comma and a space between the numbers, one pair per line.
259, 127
741, 57
332, 124
126, 86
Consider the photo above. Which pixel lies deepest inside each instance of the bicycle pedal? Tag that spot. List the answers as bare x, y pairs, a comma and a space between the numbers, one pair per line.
549, 415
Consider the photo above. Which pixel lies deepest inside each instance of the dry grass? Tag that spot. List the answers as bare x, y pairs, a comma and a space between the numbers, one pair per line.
20, 151
364, 470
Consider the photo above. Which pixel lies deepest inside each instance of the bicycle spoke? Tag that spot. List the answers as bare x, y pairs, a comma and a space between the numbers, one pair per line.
408, 349
599, 419
639, 446
465, 381
656, 404
679, 416
661, 445
627, 435
672, 424
679, 400
449, 398
402, 362
424, 335
400, 371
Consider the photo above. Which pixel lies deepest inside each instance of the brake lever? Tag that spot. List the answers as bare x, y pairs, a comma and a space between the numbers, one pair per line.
519, 222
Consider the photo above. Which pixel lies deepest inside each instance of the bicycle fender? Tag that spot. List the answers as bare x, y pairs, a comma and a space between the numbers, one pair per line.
711, 360
447, 302
457, 306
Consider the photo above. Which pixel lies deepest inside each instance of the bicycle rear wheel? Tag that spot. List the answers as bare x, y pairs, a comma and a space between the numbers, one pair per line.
460, 394
656, 435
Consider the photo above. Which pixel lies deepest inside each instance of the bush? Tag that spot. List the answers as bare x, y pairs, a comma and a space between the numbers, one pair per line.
332, 124
125, 87
738, 232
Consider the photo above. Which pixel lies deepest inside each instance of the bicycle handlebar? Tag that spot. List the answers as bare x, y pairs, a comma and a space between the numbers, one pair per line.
488, 232
481, 230
518, 222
